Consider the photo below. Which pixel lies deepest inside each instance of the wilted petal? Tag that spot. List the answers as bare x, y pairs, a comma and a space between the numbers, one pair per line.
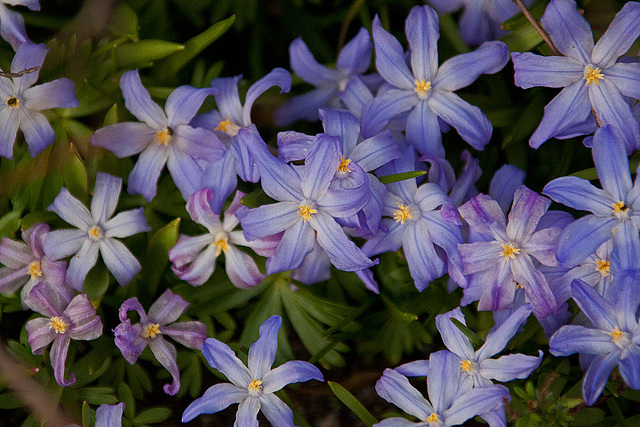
85, 323
190, 334
40, 334
166, 354
109, 415
167, 308
59, 351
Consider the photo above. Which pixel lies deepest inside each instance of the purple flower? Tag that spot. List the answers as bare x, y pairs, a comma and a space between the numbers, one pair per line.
592, 79
11, 23
67, 318
614, 207
480, 21
220, 175
612, 339
194, 258
419, 219
253, 386
426, 92
451, 401
109, 415
164, 137
96, 232
353, 60
505, 261
26, 263
161, 320
308, 206
24, 102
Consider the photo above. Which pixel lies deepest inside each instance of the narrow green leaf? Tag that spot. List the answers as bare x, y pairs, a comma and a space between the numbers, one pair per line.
111, 117
352, 403
86, 414
96, 395
522, 39
152, 416
395, 177
256, 198
171, 65
125, 395
74, 174
476, 341
124, 22
96, 283
10, 223
131, 54
157, 256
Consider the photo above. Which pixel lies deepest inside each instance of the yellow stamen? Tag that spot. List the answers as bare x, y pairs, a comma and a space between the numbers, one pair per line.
221, 245
593, 75
35, 270
306, 211
619, 207
433, 418
466, 365
228, 127
603, 266
509, 251
422, 87
151, 330
163, 137
402, 214
255, 385
616, 334
13, 102
58, 325
95, 232
344, 165
519, 286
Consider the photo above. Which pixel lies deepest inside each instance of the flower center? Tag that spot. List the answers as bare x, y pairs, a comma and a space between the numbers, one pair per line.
466, 365
255, 386
422, 87
592, 76
509, 251
620, 210
151, 330
95, 233
163, 137
35, 270
228, 127
222, 245
58, 325
306, 211
13, 102
402, 214
433, 418
344, 165
604, 267
620, 338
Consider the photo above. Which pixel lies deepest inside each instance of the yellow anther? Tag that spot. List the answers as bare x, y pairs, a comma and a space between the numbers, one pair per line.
151, 330
95, 233
163, 137
616, 335
433, 418
509, 251
422, 87
255, 385
228, 127
35, 270
466, 365
519, 286
58, 325
592, 75
344, 165
222, 245
619, 207
306, 211
402, 214
603, 266
13, 102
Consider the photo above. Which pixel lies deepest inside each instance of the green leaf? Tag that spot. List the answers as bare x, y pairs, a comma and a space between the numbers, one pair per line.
96, 283
522, 39
111, 117
96, 395
171, 65
133, 54
74, 174
86, 415
256, 198
124, 22
125, 395
588, 417
157, 256
395, 177
10, 401
476, 341
352, 403
152, 416
10, 223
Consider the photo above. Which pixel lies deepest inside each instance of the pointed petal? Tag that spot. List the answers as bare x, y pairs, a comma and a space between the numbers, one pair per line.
485, 216
510, 367
166, 354
124, 139
570, 32
215, 399
296, 243
619, 37
276, 77
396, 388
476, 402
423, 32
580, 194
105, 197
40, 334
462, 70
610, 157
119, 260
417, 368
242, 269
629, 366
571, 339
597, 376
191, 334
390, 61
582, 237
221, 357
549, 71
267, 220
139, 103
262, 353
228, 99
63, 243
452, 336
599, 310
185, 172
611, 108
143, 179
355, 56
293, 371
528, 207
126, 224
37, 131
305, 66
276, 411
497, 339
320, 166
377, 113
443, 380
28, 55
183, 104
626, 77
58, 93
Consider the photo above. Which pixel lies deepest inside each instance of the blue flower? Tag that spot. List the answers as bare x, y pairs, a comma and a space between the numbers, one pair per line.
307, 207
253, 386
12, 24
23, 103
109, 415
95, 232
231, 116
612, 339
452, 402
426, 92
164, 137
353, 60
592, 79
614, 207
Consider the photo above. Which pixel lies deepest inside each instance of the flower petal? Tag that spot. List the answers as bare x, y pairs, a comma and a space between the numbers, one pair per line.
58, 93
37, 131
390, 61
510, 367
462, 70
138, 101
59, 351
549, 71
262, 353
452, 336
143, 179
296, 243
570, 32
215, 399
119, 260
105, 197
81, 263
597, 376
221, 357
619, 37
423, 32
395, 388
166, 354
124, 139
276, 411
293, 371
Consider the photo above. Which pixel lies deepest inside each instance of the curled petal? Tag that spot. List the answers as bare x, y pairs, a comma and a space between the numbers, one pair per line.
59, 351
165, 353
